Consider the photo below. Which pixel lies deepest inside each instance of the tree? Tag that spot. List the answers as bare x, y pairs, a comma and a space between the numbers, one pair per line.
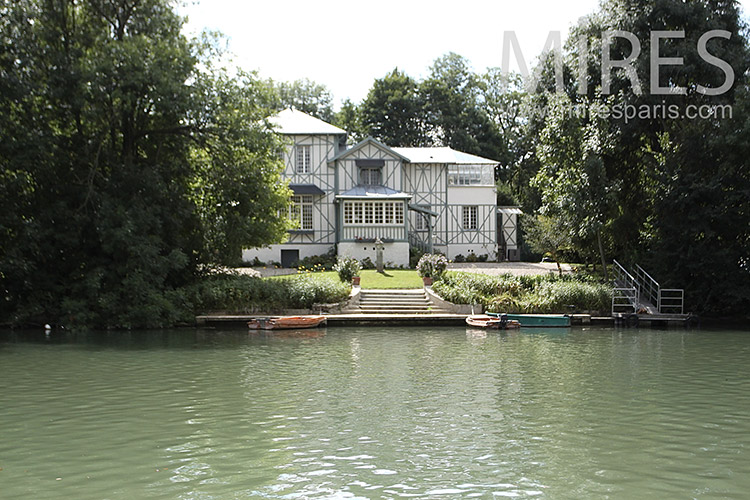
547, 235
455, 116
122, 164
393, 111
349, 118
303, 95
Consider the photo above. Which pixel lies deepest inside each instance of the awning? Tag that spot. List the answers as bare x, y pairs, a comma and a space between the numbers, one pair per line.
422, 210
373, 192
509, 210
306, 189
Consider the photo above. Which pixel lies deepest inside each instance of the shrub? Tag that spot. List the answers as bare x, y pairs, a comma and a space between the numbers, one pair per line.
242, 294
459, 258
367, 263
347, 268
471, 257
526, 294
432, 265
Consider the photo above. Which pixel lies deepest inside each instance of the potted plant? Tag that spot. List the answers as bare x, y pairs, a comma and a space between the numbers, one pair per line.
348, 270
431, 266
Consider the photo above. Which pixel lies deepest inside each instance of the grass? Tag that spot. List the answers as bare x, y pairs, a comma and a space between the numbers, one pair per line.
371, 279
390, 279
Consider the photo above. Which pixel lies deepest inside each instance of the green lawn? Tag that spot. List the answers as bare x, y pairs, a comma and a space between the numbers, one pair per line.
392, 278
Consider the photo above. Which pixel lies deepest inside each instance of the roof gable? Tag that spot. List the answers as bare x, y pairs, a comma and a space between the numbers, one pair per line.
363, 143
293, 122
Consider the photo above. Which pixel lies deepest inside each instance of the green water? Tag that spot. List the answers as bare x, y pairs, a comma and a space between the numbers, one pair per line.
376, 413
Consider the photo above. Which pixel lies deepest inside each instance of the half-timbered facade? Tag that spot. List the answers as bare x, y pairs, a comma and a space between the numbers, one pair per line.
437, 199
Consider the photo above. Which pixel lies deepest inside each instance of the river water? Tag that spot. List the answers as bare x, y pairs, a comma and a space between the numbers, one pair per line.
376, 413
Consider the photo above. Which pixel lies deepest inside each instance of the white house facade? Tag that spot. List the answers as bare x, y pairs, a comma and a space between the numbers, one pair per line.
435, 198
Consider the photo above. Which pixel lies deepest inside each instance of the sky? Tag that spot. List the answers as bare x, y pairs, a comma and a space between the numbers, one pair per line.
346, 45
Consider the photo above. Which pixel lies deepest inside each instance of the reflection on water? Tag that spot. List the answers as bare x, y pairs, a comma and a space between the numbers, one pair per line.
376, 413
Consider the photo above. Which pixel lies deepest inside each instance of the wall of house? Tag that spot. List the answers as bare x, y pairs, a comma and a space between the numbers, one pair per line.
349, 173
273, 253
396, 253
428, 184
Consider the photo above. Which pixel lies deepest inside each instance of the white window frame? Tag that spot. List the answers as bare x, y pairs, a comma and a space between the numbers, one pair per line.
373, 213
469, 217
301, 211
422, 221
470, 175
303, 159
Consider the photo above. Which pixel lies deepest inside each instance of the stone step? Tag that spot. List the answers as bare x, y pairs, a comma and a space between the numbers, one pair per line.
397, 306
404, 311
392, 292
392, 300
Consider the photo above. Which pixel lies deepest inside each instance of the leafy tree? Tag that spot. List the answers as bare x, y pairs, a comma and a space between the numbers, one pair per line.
122, 163
393, 111
455, 116
349, 118
303, 95
547, 235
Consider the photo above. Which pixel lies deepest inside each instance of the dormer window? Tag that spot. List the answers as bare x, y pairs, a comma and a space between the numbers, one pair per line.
370, 176
370, 172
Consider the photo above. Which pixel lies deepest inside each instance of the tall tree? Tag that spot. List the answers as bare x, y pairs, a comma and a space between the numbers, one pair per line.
303, 95
121, 163
393, 111
455, 116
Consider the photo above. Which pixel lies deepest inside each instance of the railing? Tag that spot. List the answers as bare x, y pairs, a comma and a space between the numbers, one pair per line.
648, 288
624, 300
416, 241
622, 277
394, 233
671, 300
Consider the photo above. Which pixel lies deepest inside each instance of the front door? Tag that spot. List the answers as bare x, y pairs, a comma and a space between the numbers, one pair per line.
289, 257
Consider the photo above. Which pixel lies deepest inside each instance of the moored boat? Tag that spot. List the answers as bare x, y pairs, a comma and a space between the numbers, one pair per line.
537, 320
496, 323
286, 322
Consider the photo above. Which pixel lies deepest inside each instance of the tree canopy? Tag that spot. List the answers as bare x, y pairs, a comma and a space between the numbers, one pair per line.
125, 168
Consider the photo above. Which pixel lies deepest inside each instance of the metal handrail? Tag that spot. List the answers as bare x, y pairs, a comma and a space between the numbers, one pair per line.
672, 300
648, 286
624, 300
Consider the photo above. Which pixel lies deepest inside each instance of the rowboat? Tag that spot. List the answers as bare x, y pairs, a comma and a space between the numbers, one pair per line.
537, 320
497, 323
285, 322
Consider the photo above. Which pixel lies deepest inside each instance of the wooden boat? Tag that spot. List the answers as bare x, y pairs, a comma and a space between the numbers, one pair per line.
497, 323
537, 320
286, 322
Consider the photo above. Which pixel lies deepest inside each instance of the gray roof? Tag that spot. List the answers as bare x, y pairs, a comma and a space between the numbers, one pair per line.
361, 191
509, 210
306, 189
362, 143
293, 122
442, 155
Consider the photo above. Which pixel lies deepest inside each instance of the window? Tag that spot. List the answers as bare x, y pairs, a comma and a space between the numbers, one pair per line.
304, 159
370, 176
376, 213
301, 212
470, 175
470, 217
422, 221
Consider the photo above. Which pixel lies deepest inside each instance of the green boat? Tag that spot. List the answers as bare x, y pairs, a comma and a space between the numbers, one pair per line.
537, 320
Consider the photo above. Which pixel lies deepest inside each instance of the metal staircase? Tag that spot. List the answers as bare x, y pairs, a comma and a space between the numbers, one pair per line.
640, 293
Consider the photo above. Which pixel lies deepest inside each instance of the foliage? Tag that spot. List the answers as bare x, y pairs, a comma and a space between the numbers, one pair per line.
303, 95
548, 236
526, 294
347, 268
324, 261
432, 265
393, 111
242, 294
127, 162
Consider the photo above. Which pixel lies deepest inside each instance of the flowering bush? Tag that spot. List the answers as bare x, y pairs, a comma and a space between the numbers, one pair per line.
432, 265
347, 268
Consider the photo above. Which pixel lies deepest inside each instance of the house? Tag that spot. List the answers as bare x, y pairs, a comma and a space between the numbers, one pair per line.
434, 198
